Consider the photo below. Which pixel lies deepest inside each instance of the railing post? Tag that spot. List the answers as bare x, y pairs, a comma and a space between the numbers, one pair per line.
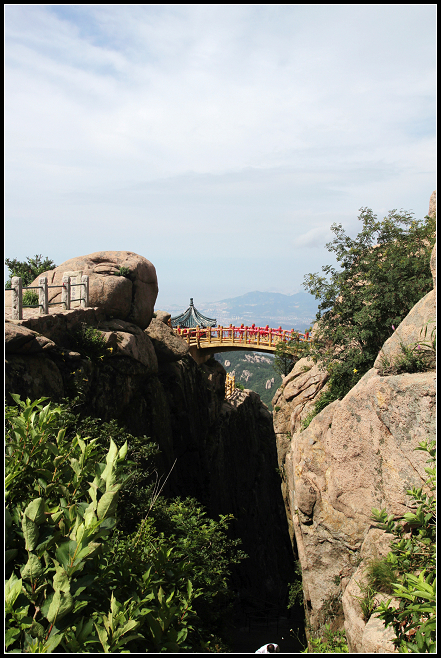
269, 335
85, 295
43, 300
198, 340
307, 335
221, 334
258, 336
232, 333
65, 293
17, 300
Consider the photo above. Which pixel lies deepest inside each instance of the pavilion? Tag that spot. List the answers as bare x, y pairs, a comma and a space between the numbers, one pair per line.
191, 318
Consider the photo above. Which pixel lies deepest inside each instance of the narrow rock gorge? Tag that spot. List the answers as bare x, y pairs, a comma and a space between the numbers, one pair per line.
225, 450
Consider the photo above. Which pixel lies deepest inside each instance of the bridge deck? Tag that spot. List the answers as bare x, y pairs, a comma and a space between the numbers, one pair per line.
262, 339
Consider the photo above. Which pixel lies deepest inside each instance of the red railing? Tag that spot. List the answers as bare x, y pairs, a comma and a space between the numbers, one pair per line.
257, 336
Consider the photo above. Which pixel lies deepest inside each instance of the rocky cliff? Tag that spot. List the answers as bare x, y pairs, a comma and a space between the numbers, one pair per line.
225, 450
358, 453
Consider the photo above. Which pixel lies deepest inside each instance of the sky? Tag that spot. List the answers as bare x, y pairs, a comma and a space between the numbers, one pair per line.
221, 142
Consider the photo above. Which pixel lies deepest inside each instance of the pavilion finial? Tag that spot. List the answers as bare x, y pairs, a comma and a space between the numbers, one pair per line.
191, 301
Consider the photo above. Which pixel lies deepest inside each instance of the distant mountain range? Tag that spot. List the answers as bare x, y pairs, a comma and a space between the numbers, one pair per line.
295, 311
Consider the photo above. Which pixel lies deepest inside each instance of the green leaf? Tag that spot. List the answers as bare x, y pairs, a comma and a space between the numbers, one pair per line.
11, 635
107, 504
61, 580
12, 590
102, 634
32, 569
35, 510
30, 532
65, 553
60, 605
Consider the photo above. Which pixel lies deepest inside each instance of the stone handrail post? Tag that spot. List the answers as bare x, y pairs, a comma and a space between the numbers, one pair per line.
17, 302
65, 293
43, 296
85, 295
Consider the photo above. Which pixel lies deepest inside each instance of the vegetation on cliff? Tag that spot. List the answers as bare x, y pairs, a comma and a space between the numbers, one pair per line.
384, 272
91, 566
409, 570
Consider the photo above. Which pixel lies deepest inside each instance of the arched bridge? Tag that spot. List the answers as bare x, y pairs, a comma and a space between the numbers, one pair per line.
206, 341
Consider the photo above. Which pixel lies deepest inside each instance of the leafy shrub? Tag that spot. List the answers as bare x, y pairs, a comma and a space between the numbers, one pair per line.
89, 341
75, 583
412, 557
331, 642
295, 592
123, 271
287, 354
30, 298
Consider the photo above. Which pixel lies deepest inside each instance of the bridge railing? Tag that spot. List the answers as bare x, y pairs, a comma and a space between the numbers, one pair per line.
259, 336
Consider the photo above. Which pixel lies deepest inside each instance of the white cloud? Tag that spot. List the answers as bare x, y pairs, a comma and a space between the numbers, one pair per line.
227, 128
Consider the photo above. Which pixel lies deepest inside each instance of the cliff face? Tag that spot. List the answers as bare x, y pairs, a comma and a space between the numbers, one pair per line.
358, 453
225, 450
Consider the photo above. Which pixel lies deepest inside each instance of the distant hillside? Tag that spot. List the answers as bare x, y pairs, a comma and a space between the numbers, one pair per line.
288, 311
254, 370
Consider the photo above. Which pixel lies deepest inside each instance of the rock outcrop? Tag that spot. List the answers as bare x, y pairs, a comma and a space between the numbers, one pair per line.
358, 453
128, 297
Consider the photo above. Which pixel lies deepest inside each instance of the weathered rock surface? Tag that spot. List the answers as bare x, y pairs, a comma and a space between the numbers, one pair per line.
168, 346
432, 205
164, 316
370, 637
433, 266
420, 321
127, 339
131, 297
20, 340
357, 454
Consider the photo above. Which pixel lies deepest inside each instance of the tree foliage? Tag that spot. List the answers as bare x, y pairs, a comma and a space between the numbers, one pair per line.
412, 558
28, 269
75, 582
384, 271
287, 354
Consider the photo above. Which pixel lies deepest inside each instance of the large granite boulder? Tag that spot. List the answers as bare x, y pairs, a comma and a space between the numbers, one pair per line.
127, 339
129, 297
168, 346
358, 453
415, 329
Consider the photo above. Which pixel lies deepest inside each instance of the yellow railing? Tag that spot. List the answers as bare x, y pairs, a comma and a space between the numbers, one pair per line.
230, 385
263, 337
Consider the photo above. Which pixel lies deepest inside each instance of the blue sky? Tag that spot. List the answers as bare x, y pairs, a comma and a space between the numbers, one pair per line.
218, 141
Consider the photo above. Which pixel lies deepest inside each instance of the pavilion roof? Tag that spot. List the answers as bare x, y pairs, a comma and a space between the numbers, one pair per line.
192, 318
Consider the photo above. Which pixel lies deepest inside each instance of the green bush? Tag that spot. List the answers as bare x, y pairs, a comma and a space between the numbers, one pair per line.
412, 557
331, 642
384, 272
30, 298
75, 582
89, 341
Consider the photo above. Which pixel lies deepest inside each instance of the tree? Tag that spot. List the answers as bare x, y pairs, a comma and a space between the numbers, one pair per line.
28, 269
384, 272
287, 354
